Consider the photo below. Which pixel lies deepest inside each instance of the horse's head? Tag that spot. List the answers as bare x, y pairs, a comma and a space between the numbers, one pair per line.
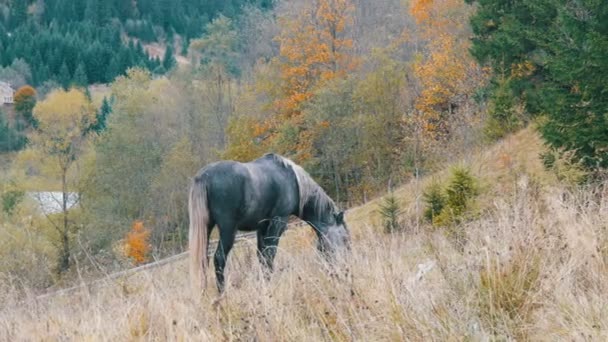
333, 233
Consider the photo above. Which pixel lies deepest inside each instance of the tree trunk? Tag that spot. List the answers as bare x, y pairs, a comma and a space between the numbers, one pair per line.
64, 258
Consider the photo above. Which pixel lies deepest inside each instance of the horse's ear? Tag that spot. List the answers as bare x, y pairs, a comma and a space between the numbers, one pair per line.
340, 217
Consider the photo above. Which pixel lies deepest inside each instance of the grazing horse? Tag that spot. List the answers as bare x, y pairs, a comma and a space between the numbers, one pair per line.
256, 196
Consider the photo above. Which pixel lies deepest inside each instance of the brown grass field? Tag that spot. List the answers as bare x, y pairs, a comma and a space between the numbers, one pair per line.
531, 263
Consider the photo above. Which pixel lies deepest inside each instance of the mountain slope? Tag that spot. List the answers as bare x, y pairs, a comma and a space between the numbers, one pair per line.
93, 41
533, 267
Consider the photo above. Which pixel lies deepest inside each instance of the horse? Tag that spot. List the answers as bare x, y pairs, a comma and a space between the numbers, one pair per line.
260, 196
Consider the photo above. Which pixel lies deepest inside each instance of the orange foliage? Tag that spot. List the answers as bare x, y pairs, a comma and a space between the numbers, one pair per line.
137, 244
25, 100
445, 71
25, 92
420, 10
313, 50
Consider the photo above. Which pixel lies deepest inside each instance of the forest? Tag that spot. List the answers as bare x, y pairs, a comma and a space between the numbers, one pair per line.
85, 42
365, 96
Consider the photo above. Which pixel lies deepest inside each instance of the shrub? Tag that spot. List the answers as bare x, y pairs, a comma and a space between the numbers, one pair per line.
435, 201
137, 243
460, 191
446, 207
10, 200
390, 211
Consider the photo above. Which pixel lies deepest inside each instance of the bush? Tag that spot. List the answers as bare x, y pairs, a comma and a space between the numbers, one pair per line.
446, 207
435, 201
390, 211
137, 243
10, 200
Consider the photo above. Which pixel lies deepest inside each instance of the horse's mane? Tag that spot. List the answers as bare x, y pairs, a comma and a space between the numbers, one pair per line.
308, 188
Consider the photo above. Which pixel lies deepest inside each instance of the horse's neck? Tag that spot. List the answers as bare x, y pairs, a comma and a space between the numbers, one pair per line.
316, 208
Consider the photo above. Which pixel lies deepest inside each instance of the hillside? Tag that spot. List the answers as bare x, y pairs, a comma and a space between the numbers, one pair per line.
533, 267
70, 42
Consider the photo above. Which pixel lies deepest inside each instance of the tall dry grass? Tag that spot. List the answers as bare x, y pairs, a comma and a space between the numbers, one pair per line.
534, 266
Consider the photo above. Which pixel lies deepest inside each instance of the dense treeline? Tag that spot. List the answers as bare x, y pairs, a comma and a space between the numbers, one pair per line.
79, 53
549, 59
84, 42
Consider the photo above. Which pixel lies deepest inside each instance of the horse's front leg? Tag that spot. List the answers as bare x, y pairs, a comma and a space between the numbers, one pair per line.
271, 241
261, 235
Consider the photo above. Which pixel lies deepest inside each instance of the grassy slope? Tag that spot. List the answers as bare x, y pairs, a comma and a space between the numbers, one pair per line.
534, 267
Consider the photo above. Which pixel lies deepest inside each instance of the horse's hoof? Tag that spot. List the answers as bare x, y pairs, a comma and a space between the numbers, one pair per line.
217, 300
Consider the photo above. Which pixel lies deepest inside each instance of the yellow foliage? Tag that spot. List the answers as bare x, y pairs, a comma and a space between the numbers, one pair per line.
63, 118
523, 69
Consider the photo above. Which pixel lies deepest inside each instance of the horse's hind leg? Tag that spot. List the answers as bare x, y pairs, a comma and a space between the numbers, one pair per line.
227, 235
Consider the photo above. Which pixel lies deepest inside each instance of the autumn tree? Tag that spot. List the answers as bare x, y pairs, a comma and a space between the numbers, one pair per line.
63, 118
314, 48
25, 100
446, 73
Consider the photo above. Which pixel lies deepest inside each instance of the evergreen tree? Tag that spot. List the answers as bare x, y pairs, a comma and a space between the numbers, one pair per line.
555, 53
80, 76
18, 13
64, 76
89, 32
91, 12
169, 59
102, 116
10, 139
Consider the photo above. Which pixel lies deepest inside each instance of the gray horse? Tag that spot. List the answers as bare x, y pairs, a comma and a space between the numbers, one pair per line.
257, 196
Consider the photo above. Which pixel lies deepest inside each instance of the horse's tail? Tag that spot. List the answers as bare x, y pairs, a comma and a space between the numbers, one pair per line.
198, 244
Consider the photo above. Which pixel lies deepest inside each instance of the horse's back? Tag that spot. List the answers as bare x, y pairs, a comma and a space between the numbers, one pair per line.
249, 192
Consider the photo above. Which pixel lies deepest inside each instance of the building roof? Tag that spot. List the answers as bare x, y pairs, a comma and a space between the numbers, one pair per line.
51, 202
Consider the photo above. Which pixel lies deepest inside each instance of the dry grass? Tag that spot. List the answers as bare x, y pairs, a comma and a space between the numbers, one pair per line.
534, 266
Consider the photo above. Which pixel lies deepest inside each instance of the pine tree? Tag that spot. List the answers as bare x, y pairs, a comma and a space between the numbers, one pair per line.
80, 76
555, 55
390, 210
64, 76
18, 13
169, 59
102, 116
91, 12
10, 139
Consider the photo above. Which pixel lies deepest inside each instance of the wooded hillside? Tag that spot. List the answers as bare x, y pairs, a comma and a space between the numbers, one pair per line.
364, 95
93, 41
